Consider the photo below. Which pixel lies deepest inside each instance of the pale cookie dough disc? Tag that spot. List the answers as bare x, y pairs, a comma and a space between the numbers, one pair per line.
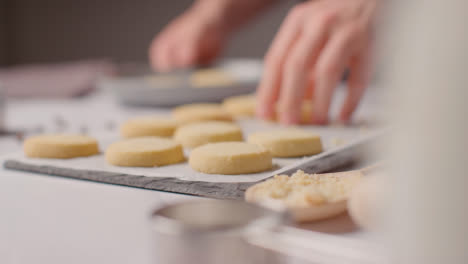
144, 152
244, 106
211, 78
309, 197
60, 146
288, 142
200, 112
230, 158
306, 111
197, 134
149, 126
164, 81
240, 106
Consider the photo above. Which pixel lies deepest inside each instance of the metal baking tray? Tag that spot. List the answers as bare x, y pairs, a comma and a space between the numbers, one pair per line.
138, 85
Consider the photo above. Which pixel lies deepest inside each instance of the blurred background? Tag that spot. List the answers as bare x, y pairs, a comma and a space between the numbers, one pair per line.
52, 31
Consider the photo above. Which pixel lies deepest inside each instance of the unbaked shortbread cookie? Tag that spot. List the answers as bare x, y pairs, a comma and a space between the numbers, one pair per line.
208, 78
149, 126
200, 112
230, 158
244, 106
164, 81
197, 134
308, 197
240, 106
144, 152
60, 146
288, 142
306, 111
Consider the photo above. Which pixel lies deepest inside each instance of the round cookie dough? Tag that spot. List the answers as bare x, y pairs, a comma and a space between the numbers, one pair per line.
211, 78
197, 134
306, 111
200, 112
230, 158
60, 146
288, 142
240, 106
164, 81
149, 126
144, 152
244, 106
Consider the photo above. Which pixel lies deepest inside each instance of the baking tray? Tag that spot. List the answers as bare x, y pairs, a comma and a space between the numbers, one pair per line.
138, 85
180, 178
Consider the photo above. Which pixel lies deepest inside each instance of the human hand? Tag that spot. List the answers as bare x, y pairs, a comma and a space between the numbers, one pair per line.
195, 37
316, 43
198, 35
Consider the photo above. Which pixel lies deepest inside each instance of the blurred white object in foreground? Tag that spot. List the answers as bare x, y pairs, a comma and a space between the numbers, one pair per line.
364, 203
427, 70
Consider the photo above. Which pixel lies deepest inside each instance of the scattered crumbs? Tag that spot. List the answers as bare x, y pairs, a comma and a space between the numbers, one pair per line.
336, 141
19, 136
363, 129
337, 124
83, 129
110, 125
303, 190
60, 122
38, 129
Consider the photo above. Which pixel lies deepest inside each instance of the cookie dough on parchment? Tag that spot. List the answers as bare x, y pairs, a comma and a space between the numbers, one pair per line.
230, 158
288, 142
200, 112
240, 106
211, 78
149, 126
197, 134
306, 111
60, 146
244, 106
144, 152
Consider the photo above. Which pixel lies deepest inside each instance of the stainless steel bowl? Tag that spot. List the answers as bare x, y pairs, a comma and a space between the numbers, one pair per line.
212, 231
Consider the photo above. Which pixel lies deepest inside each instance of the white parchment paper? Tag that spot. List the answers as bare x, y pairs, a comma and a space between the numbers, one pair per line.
332, 137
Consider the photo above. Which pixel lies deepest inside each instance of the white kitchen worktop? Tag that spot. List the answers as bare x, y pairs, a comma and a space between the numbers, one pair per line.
56, 220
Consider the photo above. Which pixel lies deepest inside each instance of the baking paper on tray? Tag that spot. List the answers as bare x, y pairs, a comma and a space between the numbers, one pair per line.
332, 138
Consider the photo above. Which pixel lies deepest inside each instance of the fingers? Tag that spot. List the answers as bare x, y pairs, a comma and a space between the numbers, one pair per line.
154, 52
357, 82
295, 80
211, 48
153, 60
324, 47
188, 40
185, 56
269, 87
309, 93
171, 52
162, 53
329, 70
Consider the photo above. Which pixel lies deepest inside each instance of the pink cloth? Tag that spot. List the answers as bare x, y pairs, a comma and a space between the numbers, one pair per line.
53, 80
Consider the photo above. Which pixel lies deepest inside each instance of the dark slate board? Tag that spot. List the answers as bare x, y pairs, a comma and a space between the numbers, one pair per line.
222, 190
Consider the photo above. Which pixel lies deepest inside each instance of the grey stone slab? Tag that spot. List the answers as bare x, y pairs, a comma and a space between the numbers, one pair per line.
222, 190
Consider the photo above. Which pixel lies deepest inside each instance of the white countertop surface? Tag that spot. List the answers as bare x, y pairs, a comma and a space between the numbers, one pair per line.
56, 220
